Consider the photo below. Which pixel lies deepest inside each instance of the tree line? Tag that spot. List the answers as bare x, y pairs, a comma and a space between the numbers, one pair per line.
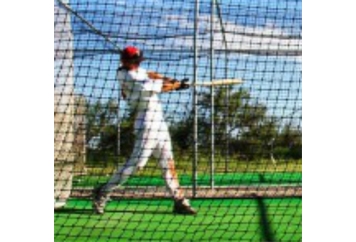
243, 128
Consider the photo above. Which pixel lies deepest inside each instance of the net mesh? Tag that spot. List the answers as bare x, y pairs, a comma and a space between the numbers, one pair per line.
237, 149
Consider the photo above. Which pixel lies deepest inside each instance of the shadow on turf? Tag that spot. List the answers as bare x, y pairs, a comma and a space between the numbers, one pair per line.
74, 211
90, 211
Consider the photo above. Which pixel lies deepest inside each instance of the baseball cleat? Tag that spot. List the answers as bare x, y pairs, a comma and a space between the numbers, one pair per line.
182, 206
99, 200
59, 204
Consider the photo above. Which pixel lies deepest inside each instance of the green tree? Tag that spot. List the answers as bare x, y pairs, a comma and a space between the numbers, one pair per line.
126, 133
115, 138
102, 123
242, 121
288, 144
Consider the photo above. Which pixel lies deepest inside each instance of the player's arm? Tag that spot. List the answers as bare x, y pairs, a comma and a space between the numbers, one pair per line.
169, 84
174, 85
155, 76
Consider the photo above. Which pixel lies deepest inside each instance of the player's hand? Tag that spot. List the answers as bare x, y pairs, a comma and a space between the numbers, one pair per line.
183, 84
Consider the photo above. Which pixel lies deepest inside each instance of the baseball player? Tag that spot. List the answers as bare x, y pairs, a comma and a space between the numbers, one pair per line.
140, 89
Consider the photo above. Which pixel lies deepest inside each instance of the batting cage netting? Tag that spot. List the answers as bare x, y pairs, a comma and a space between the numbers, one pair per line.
178, 120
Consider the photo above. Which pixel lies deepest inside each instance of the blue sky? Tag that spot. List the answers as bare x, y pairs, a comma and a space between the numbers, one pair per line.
164, 30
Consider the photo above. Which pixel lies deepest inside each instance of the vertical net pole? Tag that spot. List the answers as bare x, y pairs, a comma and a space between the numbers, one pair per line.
212, 92
195, 98
227, 145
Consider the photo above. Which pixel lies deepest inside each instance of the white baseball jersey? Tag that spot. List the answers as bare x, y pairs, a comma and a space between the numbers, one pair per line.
152, 136
141, 95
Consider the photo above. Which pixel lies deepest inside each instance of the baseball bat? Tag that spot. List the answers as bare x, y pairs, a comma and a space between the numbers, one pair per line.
219, 82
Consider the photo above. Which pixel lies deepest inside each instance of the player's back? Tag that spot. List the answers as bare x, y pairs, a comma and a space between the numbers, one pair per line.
140, 91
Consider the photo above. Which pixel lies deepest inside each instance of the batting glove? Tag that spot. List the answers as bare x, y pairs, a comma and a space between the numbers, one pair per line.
183, 84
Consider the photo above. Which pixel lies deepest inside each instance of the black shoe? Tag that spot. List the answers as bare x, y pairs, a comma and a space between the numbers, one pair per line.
182, 206
99, 200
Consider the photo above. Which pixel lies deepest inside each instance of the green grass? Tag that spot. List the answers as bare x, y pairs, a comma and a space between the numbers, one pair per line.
184, 166
239, 173
152, 220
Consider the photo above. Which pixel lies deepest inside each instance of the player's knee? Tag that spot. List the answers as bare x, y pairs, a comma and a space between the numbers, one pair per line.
166, 161
139, 168
128, 170
141, 164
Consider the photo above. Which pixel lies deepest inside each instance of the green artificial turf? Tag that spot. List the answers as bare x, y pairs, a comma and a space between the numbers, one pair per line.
230, 179
152, 220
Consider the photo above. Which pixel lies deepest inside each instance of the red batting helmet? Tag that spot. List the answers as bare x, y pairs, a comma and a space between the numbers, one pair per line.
132, 53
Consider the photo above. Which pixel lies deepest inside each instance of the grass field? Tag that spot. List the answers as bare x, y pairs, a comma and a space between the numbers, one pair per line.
239, 173
184, 166
254, 220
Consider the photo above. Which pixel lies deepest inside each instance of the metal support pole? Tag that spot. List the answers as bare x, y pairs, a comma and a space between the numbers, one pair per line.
227, 115
227, 97
195, 98
212, 101
118, 132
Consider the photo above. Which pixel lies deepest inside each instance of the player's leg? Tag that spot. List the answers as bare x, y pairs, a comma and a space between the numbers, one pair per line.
164, 153
143, 149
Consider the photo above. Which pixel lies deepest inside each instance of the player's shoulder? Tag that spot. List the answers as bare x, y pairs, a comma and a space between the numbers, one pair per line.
140, 71
121, 70
138, 74
121, 73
